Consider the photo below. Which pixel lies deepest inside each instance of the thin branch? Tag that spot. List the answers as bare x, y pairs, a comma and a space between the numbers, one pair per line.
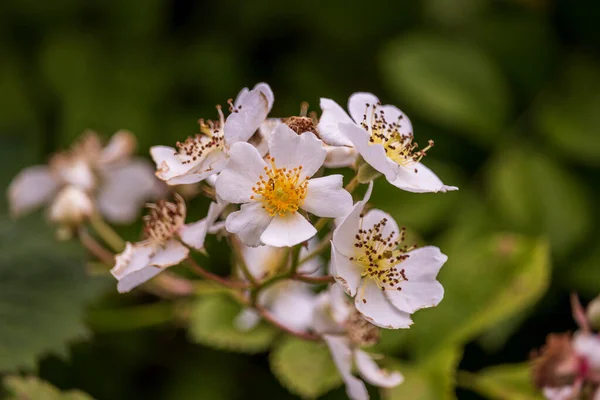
314, 279
95, 248
239, 257
112, 238
214, 277
322, 246
269, 318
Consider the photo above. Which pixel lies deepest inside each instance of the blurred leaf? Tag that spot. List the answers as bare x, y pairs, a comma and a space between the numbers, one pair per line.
584, 276
568, 116
503, 382
43, 292
431, 380
453, 13
211, 324
131, 318
448, 82
535, 195
14, 98
304, 368
25, 388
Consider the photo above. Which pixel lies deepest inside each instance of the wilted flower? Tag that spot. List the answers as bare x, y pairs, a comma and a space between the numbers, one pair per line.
345, 331
117, 184
383, 136
273, 192
165, 230
388, 280
206, 153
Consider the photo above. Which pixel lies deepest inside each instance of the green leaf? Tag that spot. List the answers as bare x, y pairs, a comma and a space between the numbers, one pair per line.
304, 368
212, 324
502, 382
24, 388
568, 116
533, 194
43, 293
448, 82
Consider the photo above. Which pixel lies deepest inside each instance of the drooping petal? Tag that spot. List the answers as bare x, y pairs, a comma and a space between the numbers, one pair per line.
341, 305
119, 148
212, 163
418, 178
322, 318
587, 345
375, 216
71, 206
246, 320
194, 234
372, 373
346, 230
249, 223
168, 165
340, 156
326, 197
360, 106
125, 188
31, 188
373, 153
342, 357
291, 150
346, 273
243, 170
132, 266
250, 111
171, 254
288, 230
328, 128
293, 306
371, 302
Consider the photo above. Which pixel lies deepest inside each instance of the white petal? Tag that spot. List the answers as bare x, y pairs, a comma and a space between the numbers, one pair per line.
323, 321
267, 91
588, 346
292, 150
346, 273
394, 114
326, 197
342, 357
340, 156
559, 393
246, 320
374, 216
243, 170
375, 307
168, 165
361, 104
120, 146
31, 188
419, 179
423, 264
374, 154
194, 234
345, 232
77, 172
248, 223
251, 110
171, 254
71, 206
288, 230
125, 188
328, 128
132, 266
263, 261
372, 373
341, 305
264, 134
293, 306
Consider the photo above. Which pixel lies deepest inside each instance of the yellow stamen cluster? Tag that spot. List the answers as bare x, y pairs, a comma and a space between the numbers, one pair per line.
398, 147
381, 256
196, 147
164, 220
281, 190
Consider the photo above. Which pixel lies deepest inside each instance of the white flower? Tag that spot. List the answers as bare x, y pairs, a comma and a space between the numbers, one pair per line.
165, 229
388, 281
333, 319
117, 183
273, 192
206, 154
71, 207
290, 302
383, 136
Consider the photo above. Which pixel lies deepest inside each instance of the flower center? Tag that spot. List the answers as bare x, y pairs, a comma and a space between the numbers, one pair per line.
399, 147
381, 256
164, 220
195, 148
282, 190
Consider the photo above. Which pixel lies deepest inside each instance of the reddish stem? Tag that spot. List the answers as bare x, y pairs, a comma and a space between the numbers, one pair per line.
216, 278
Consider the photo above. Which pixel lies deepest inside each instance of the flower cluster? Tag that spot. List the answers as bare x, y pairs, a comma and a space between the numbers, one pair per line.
281, 211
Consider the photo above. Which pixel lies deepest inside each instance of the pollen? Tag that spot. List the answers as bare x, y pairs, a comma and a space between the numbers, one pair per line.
195, 148
400, 148
164, 219
281, 190
381, 256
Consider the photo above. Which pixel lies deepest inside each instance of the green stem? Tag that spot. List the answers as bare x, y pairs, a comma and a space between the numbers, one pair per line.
112, 238
295, 254
239, 257
321, 247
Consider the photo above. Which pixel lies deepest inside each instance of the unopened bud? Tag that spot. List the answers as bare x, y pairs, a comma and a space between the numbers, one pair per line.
71, 207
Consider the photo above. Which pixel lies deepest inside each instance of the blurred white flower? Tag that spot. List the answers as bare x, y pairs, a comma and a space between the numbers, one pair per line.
345, 331
383, 136
273, 192
206, 154
116, 182
389, 281
165, 230
71, 207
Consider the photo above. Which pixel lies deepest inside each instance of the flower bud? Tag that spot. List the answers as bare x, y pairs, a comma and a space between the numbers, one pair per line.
71, 207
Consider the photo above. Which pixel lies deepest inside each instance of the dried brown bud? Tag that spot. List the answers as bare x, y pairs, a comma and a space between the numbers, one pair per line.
556, 364
361, 331
301, 125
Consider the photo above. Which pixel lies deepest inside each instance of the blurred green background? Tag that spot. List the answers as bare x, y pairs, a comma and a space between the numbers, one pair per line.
509, 91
